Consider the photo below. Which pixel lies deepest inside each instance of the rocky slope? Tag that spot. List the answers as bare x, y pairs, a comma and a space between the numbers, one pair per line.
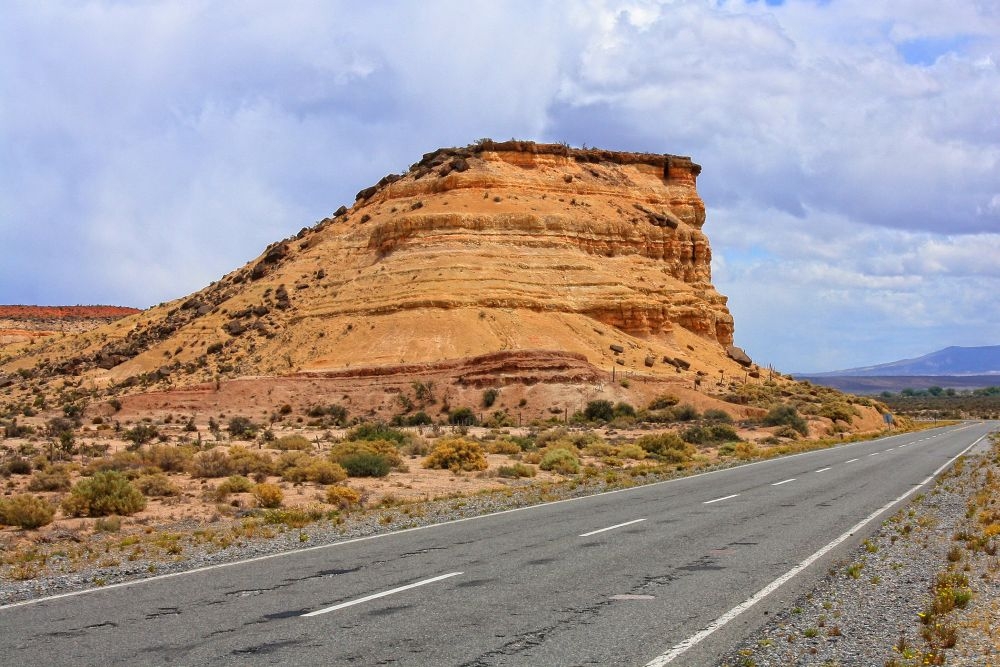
559, 258
23, 324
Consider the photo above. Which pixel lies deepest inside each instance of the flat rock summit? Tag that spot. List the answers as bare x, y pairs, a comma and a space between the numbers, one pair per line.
548, 272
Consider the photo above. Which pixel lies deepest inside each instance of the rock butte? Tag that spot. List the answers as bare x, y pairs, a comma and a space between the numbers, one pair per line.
536, 267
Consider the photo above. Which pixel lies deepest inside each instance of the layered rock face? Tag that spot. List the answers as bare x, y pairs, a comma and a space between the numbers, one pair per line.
535, 249
614, 236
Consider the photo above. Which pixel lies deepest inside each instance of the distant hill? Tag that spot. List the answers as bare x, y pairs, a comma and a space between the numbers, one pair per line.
953, 360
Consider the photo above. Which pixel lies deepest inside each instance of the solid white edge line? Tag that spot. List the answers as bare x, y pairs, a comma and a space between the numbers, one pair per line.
784, 481
284, 554
822, 469
693, 640
375, 596
617, 525
719, 500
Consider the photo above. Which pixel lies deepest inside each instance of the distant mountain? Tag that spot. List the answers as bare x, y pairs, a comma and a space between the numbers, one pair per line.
953, 360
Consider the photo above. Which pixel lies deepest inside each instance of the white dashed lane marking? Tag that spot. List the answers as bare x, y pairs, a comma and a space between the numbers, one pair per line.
617, 525
716, 500
375, 596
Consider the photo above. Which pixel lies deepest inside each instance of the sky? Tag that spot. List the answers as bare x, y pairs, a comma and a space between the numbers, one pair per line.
850, 148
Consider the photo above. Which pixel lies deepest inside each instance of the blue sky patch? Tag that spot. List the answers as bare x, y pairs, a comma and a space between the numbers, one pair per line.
926, 50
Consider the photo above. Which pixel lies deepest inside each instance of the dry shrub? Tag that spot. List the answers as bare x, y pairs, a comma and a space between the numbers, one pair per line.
456, 454
599, 449
120, 461
53, 478
667, 446
315, 470
213, 463
343, 497
663, 401
156, 485
292, 442
516, 470
562, 461
105, 493
26, 511
248, 461
267, 495
633, 451
168, 458
384, 448
745, 451
506, 447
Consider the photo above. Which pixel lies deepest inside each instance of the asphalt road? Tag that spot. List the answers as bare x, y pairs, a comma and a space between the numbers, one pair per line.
615, 579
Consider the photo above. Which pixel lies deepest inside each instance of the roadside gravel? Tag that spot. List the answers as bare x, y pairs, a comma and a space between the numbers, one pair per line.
866, 610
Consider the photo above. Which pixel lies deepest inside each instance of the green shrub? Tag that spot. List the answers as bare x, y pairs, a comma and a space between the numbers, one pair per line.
684, 413
242, 428
462, 417
663, 402
712, 434
667, 446
420, 418
335, 414
786, 415
105, 493
53, 478
838, 411
267, 495
456, 454
624, 410
140, 434
716, 415
156, 485
296, 442
26, 511
377, 431
561, 461
18, 466
490, 397
599, 411
365, 464
234, 484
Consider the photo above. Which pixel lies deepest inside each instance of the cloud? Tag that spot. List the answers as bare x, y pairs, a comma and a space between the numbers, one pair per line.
851, 151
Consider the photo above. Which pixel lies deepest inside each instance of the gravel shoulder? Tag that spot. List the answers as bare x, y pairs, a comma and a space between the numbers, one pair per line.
923, 590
